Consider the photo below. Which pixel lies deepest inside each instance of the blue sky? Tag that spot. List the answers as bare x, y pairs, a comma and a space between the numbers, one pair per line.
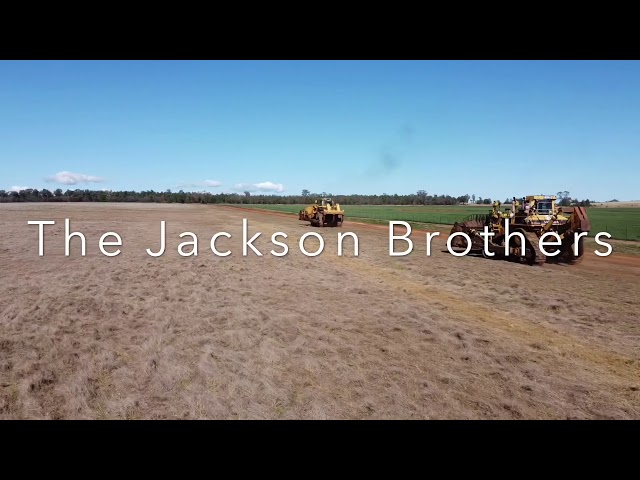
495, 129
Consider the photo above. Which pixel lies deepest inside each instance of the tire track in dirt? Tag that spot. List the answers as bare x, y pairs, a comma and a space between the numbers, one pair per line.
623, 368
606, 364
523, 328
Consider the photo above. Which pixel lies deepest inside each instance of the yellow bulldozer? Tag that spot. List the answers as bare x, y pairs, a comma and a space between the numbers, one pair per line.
534, 216
326, 213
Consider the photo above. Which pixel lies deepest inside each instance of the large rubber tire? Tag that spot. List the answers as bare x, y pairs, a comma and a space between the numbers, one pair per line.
580, 256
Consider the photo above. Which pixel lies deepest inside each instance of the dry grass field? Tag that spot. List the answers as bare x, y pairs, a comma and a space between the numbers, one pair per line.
367, 337
631, 204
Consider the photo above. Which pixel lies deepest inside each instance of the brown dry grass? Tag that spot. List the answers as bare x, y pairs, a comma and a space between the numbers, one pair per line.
634, 203
298, 337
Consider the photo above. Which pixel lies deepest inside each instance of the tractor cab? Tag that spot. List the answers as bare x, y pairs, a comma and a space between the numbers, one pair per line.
540, 205
544, 207
329, 205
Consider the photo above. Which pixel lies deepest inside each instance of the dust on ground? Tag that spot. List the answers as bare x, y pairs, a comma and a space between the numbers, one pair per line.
372, 336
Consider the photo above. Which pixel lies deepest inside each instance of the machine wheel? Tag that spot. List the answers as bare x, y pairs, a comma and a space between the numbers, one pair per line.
581, 247
530, 257
580, 256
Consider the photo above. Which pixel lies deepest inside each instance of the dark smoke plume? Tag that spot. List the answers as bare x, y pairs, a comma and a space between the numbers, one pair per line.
390, 159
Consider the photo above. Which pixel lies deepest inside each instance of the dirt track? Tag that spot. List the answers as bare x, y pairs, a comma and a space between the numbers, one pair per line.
375, 336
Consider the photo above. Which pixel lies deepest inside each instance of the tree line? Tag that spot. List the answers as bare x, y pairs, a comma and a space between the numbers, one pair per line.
421, 197
565, 200
167, 196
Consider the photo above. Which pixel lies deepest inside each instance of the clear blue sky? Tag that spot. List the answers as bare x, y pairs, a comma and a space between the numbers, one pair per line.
494, 129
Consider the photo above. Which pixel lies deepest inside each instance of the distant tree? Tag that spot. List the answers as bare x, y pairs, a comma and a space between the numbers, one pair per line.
473, 198
422, 196
305, 193
486, 201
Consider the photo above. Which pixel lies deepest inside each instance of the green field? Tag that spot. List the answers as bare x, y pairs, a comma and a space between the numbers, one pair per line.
621, 223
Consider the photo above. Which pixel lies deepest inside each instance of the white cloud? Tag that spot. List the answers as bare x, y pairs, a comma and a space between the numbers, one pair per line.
212, 183
260, 187
70, 178
206, 183
16, 188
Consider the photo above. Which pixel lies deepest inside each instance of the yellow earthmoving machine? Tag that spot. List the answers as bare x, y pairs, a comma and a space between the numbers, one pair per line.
326, 213
533, 217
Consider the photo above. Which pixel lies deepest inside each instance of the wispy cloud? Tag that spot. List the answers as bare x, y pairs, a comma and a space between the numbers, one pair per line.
70, 178
206, 183
260, 187
16, 188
